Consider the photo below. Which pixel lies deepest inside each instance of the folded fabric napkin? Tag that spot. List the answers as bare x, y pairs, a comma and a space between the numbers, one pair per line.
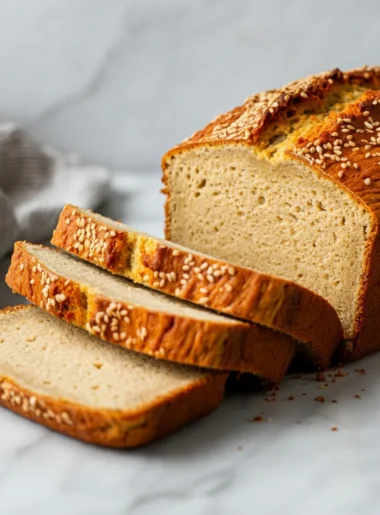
35, 182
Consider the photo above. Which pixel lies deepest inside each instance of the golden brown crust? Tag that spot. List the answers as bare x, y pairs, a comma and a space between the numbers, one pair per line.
210, 344
115, 428
348, 152
241, 292
345, 151
248, 122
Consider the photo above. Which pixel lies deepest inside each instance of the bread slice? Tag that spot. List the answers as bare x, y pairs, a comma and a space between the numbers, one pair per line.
234, 290
69, 381
118, 311
288, 184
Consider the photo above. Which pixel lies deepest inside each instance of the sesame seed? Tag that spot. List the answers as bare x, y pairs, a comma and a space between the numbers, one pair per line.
343, 165
32, 281
146, 278
367, 147
355, 165
368, 125
143, 333
162, 283
368, 154
286, 98
173, 276
156, 284
96, 329
22, 266
231, 270
200, 277
335, 134
185, 268
112, 233
175, 252
182, 281
303, 94
203, 300
367, 181
34, 269
204, 266
203, 290
228, 287
116, 336
123, 335
210, 278
155, 274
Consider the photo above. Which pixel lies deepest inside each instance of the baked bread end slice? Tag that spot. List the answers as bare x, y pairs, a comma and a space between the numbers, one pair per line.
93, 391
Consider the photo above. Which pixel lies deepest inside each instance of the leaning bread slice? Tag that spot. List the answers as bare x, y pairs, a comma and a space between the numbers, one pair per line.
118, 311
216, 284
93, 391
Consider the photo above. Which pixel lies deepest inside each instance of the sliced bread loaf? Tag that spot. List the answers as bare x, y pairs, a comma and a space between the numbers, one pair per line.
288, 184
93, 391
175, 270
123, 313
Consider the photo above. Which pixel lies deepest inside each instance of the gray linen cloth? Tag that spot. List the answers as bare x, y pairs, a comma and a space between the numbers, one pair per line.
35, 182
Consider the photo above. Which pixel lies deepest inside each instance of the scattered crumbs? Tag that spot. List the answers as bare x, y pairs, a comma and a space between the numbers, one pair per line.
240, 448
329, 375
357, 396
297, 376
319, 398
269, 419
304, 393
320, 377
324, 385
340, 373
363, 389
257, 419
360, 371
334, 428
291, 398
333, 380
299, 422
334, 401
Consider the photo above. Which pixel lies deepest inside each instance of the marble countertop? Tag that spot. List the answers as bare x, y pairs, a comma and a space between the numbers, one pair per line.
121, 82
290, 462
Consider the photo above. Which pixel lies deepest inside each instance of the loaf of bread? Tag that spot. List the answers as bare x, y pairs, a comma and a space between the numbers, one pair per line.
120, 312
93, 391
288, 184
175, 270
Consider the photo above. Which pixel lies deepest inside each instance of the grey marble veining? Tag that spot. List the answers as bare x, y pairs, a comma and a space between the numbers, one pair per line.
121, 82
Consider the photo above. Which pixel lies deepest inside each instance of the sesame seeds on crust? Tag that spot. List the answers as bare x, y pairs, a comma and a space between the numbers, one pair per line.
260, 112
30, 405
348, 145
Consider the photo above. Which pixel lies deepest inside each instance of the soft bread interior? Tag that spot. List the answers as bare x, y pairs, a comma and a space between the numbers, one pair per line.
277, 216
118, 288
49, 357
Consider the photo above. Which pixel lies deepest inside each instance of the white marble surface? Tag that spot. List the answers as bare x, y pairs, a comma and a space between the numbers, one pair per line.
291, 462
120, 82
